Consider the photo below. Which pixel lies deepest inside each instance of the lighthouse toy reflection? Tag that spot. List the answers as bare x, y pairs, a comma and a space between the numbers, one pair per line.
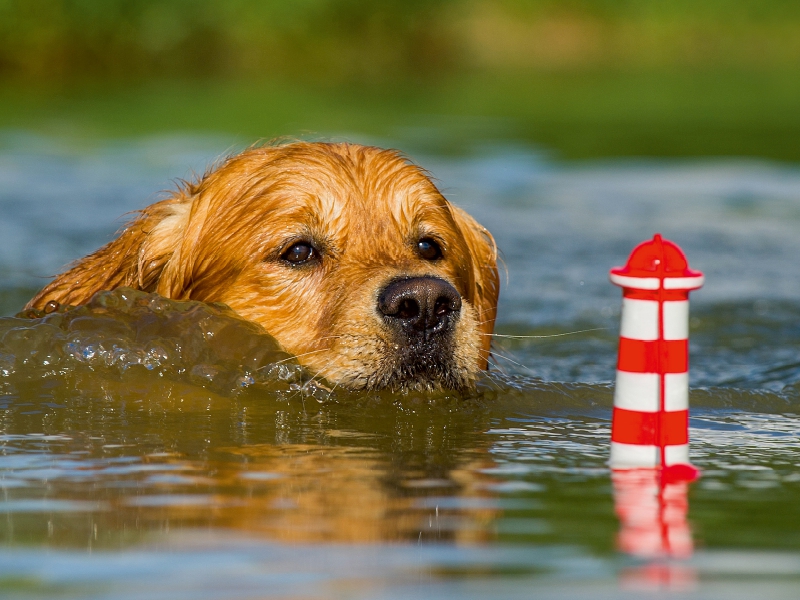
650, 427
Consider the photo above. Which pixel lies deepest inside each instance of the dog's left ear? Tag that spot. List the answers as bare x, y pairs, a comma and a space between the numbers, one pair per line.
486, 281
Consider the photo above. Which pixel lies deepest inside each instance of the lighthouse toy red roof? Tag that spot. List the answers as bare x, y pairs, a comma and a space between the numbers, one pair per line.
650, 427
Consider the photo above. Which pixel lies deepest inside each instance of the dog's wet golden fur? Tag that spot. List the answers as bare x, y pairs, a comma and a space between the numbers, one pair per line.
348, 255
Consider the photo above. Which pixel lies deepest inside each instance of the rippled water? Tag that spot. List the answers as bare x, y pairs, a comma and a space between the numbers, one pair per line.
152, 449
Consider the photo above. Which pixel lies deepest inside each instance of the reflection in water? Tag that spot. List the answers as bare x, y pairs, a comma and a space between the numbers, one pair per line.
310, 474
653, 526
135, 415
303, 493
652, 514
659, 576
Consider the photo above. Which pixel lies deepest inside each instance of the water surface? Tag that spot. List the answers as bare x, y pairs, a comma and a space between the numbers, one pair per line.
134, 464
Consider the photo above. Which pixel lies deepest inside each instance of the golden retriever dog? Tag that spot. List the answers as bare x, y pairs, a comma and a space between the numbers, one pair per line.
348, 255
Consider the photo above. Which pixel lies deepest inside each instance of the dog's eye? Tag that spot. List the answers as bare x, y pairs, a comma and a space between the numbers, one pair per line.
300, 253
429, 249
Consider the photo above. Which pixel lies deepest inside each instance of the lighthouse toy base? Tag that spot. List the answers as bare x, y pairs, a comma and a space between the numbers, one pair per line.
650, 426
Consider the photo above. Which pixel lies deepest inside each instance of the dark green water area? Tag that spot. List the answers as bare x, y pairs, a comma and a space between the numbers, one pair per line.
157, 449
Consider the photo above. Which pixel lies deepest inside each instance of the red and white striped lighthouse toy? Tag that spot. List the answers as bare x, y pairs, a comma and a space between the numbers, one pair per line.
650, 427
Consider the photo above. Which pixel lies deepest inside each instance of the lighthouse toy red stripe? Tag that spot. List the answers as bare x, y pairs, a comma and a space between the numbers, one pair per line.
650, 426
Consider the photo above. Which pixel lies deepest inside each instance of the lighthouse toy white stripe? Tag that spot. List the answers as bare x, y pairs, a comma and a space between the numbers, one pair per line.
651, 397
637, 391
639, 319
676, 319
676, 391
633, 456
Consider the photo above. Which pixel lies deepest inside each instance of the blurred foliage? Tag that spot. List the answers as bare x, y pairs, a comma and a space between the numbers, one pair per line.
635, 33
132, 38
583, 77
381, 39
719, 11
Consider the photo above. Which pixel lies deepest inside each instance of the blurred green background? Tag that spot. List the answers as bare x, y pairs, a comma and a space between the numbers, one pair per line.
581, 78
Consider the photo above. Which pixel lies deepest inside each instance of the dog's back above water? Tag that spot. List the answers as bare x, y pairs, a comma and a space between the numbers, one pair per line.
348, 255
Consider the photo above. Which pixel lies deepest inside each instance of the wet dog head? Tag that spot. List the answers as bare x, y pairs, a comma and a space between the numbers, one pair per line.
348, 255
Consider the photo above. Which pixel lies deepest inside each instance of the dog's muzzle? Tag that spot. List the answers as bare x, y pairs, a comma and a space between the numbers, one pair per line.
422, 315
420, 309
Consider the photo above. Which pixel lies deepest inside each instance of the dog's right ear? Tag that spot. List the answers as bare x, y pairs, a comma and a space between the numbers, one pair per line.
486, 281
136, 258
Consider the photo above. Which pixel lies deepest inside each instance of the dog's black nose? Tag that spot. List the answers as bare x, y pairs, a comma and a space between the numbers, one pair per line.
420, 306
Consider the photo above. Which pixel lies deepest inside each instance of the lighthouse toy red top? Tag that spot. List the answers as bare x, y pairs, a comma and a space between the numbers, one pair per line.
650, 427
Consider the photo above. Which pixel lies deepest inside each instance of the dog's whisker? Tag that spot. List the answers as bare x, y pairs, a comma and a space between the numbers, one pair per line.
494, 382
497, 364
328, 337
511, 360
301, 390
334, 389
310, 381
525, 337
292, 357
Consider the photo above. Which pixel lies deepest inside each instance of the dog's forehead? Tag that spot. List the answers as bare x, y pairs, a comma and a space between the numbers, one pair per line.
401, 208
386, 202
344, 194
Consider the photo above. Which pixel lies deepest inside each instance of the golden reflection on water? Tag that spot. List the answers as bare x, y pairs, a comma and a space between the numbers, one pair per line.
287, 493
304, 493
119, 459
